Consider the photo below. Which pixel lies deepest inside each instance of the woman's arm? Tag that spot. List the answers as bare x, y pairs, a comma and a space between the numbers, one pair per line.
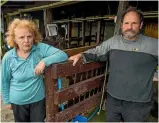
6, 77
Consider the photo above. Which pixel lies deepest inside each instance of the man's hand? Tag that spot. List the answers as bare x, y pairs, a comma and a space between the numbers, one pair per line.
39, 68
75, 58
9, 106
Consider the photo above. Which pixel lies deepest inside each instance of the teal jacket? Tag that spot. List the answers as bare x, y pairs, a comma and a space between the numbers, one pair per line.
19, 84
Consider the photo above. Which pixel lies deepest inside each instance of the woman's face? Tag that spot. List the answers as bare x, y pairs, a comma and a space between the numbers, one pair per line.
24, 39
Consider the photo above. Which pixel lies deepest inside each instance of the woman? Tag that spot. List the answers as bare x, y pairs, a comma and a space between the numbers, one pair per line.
22, 68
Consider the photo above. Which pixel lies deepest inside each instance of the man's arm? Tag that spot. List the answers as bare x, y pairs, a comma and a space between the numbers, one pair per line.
99, 53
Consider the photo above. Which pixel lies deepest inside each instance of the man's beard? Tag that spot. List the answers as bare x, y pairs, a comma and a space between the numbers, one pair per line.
129, 34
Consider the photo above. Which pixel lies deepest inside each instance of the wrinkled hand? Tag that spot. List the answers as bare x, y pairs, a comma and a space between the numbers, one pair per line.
75, 58
39, 68
9, 106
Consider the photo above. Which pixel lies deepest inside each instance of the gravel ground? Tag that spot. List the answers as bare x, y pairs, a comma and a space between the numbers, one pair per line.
6, 114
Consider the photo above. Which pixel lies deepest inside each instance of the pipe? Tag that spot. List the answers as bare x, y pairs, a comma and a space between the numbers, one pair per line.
59, 86
93, 114
109, 17
151, 16
103, 89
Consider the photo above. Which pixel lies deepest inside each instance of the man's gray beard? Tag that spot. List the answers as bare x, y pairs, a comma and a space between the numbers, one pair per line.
129, 36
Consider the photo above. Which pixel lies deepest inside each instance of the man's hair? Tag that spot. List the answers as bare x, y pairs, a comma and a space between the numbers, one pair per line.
21, 23
132, 9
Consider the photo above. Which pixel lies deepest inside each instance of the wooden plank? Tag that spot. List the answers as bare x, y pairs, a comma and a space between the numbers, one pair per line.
83, 32
67, 69
74, 51
103, 30
90, 32
50, 85
98, 31
47, 19
78, 108
48, 6
77, 89
69, 32
79, 20
121, 7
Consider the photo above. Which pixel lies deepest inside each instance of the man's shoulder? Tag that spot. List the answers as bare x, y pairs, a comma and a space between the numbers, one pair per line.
148, 38
149, 41
113, 38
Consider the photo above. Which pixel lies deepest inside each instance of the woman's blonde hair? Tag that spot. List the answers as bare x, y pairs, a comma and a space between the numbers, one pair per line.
22, 23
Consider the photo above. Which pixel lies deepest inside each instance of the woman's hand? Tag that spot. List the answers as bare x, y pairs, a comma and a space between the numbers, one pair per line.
9, 106
39, 68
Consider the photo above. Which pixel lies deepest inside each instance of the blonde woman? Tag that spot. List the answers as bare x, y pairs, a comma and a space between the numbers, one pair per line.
22, 68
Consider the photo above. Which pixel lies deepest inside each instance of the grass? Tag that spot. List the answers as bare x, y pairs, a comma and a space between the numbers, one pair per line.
99, 118
102, 118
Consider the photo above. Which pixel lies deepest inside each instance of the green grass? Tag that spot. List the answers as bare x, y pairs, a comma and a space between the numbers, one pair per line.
99, 118
102, 118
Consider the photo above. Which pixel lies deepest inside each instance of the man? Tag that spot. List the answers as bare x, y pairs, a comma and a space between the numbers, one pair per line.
132, 62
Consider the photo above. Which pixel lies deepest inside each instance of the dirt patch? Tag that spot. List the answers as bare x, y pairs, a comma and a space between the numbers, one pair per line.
6, 114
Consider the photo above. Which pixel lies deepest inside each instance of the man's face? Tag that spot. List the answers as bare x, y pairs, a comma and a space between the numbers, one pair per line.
131, 26
24, 39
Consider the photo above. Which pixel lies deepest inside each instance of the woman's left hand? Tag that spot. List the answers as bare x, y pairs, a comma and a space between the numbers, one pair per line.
39, 68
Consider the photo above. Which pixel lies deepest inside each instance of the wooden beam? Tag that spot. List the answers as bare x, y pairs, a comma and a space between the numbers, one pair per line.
74, 51
77, 20
90, 32
83, 32
103, 30
155, 16
50, 85
47, 20
79, 27
66, 69
98, 31
77, 89
121, 7
53, 5
69, 32
3, 2
8, 20
78, 108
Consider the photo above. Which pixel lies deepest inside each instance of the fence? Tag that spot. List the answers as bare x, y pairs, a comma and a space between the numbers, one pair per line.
80, 90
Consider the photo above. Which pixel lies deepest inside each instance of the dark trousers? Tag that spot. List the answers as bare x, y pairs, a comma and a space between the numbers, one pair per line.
127, 111
34, 112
